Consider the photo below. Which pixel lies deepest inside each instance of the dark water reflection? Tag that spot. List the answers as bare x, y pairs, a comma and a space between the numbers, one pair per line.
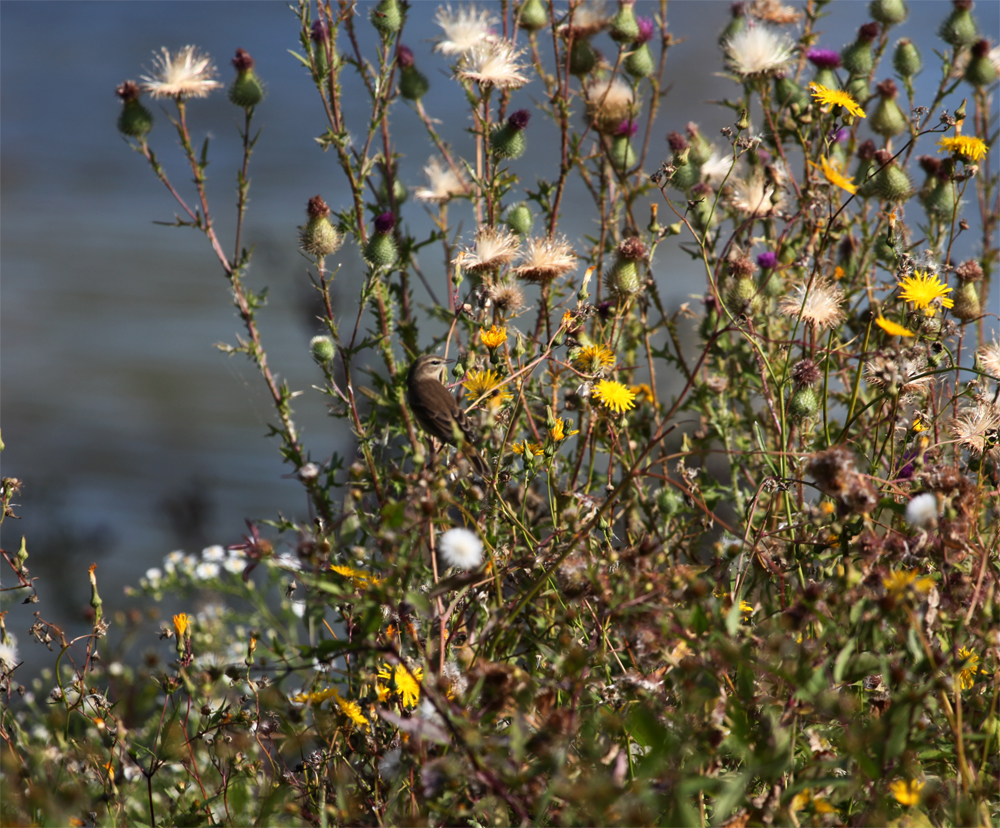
133, 434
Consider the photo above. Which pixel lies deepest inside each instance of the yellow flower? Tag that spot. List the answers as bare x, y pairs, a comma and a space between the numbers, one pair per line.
558, 431
835, 175
614, 395
892, 328
494, 337
968, 146
919, 424
827, 507
486, 382
518, 448
967, 675
407, 683
923, 290
315, 697
351, 709
836, 97
642, 390
898, 583
838, 272
568, 320
360, 578
181, 623
592, 358
906, 793
746, 608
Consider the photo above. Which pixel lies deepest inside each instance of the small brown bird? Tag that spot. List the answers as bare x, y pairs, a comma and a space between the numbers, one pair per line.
436, 409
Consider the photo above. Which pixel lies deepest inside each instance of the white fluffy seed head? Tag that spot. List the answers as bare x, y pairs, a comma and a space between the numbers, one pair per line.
461, 549
922, 511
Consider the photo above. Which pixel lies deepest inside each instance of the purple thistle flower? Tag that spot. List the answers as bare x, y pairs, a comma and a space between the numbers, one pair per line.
519, 120
320, 32
768, 260
824, 58
907, 464
627, 128
404, 56
646, 27
384, 223
840, 135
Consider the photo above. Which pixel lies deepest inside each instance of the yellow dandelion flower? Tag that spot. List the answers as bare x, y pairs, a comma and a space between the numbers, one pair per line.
407, 682
642, 391
838, 272
892, 328
614, 395
351, 709
181, 621
568, 320
315, 697
919, 424
746, 608
968, 146
836, 97
835, 175
827, 507
592, 358
478, 383
924, 291
519, 448
360, 578
967, 675
494, 337
558, 432
899, 583
906, 793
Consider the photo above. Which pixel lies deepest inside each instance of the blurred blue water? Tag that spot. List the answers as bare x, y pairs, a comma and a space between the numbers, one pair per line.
115, 398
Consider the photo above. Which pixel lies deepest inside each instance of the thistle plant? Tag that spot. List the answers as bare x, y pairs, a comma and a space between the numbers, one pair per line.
732, 561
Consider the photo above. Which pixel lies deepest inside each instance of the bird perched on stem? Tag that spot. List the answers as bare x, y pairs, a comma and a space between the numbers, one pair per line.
437, 411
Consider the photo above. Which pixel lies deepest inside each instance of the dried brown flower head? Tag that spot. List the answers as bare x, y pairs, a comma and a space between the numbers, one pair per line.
820, 305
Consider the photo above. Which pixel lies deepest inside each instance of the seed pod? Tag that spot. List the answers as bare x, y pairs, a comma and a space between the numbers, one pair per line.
967, 306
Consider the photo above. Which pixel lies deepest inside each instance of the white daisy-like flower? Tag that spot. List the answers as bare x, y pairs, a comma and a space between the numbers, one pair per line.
820, 307
172, 561
461, 549
9, 657
236, 562
443, 183
206, 570
215, 553
494, 63
189, 564
493, 248
154, 575
717, 167
188, 74
922, 511
753, 196
757, 50
464, 29
546, 259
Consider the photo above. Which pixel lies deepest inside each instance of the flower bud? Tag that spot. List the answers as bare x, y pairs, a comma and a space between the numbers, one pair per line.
323, 349
640, 64
887, 119
413, 84
701, 150
532, 15
980, 72
857, 88
744, 298
135, 120
857, 58
826, 77
906, 59
887, 12
624, 27
892, 184
582, 57
959, 29
624, 279
623, 156
939, 202
508, 141
519, 219
319, 34
803, 404
247, 91
319, 238
387, 17
967, 303
381, 248
736, 24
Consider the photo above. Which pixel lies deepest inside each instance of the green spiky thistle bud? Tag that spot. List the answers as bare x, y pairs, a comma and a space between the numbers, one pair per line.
640, 64
857, 58
959, 28
319, 238
247, 91
787, 92
508, 140
888, 12
319, 34
744, 297
939, 202
322, 348
532, 15
624, 27
519, 219
701, 150
736, 25
381, 248
803, 404
825, 76
968, 305
135, 120
413, 85
891, 183
857, 88
888, 119
387, 17
906, 59
980, 72
582, 57
624, 279
623, 155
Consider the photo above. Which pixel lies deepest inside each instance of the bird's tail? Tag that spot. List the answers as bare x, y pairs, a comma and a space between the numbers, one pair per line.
480, 465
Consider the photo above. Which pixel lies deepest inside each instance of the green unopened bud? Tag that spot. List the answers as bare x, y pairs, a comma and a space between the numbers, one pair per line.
639, 64
888, 119
744, 121
803, 404
582, 57
135, 120
520, 348
624, 27
981, 71
246, 91
939, 202
744, 298
519, 219
323, 349
887, 12
669, 502
858, 89
623, 156
959, 28
508, 141
736, 25
788, 93
967, 303
387, 17
623, 279
857, 58
892, 184
906, 59
319, 238
960, 112
381, 248
413, 84
533, 15
825, 76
